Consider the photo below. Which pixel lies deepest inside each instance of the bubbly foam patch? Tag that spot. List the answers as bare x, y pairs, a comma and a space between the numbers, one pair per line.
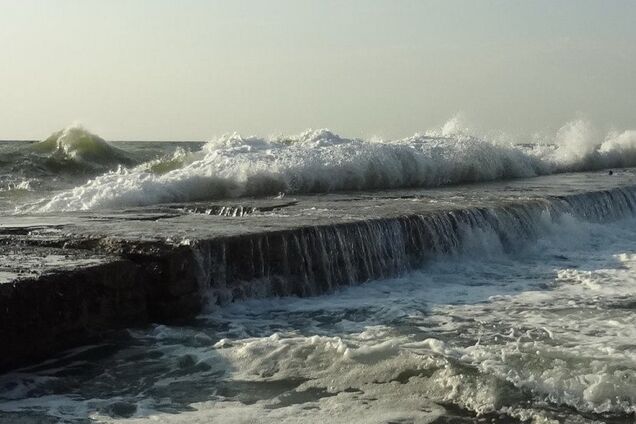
15, 184
321, 161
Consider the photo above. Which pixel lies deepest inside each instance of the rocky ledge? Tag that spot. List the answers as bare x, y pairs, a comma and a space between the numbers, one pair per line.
67, 279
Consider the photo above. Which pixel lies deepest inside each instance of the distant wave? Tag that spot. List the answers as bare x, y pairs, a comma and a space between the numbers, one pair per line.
319, 161
76, 149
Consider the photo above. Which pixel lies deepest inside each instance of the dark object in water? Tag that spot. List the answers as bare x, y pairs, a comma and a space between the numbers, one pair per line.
611, 172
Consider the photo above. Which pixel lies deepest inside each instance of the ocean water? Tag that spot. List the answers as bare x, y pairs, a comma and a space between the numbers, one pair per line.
540, 331
74, 170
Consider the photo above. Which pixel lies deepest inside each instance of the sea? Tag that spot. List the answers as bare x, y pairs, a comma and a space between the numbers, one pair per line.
538, 331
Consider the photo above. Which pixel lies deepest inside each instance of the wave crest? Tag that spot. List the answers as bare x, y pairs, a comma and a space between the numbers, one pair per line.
75, 147
318, 161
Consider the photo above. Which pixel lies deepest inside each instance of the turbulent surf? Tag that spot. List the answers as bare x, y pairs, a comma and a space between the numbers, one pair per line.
316, 161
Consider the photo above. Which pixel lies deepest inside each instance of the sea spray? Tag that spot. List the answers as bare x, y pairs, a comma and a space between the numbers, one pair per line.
319, 161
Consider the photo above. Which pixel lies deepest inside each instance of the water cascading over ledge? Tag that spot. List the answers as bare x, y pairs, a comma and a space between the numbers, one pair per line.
124, 280
309, 261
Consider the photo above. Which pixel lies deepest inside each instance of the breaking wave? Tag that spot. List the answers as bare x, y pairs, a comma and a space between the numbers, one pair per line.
319, 161
76, 149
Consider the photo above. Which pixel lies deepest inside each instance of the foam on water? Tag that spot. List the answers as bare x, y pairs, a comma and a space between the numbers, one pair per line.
543, 332
67, 159
64, 160
321, 161
13, 184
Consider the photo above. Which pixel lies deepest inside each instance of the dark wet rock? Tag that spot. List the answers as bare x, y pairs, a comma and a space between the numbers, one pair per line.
121, 409
54, 311
74, 298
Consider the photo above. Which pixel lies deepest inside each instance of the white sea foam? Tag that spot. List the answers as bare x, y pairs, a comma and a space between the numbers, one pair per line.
501, 343
6, 184
321, 161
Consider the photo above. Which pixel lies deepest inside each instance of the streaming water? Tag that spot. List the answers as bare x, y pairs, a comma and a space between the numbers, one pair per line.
543, 332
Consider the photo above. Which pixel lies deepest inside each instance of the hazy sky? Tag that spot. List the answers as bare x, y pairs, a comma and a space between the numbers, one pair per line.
193, 69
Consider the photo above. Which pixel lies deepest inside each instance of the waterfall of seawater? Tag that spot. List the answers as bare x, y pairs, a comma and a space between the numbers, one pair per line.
313, 260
